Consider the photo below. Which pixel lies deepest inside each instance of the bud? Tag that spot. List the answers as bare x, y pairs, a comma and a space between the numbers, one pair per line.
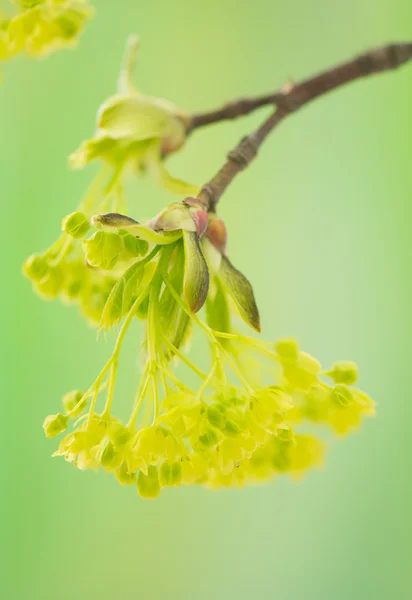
209, 439
241, 291
76, 224
55, 424
171, 474
123, 476
114, 220
102, 249
342, 395
287, 350
107, 456
71, 400
148, 485
217, 234
51, 285
119, 435
215, 416
303, 372
35, 267
199, 215
285, 434
343, 372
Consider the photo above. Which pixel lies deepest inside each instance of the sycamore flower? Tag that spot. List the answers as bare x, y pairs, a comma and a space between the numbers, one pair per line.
235, 427
40, 27
134, 132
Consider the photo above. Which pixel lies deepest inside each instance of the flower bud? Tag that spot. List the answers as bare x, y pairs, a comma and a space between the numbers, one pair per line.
51, 285
343, 372
107, 456
148, 485
123, 476
35, 267
76, 224
119, 435
209, 439
71, 400
102, 249
171, 474
287, 349
215, 416
342, 395
55, 424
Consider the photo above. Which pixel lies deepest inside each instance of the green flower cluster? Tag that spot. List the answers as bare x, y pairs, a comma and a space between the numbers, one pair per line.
223, 435
42, 26
244, 421
228, 431
62, 272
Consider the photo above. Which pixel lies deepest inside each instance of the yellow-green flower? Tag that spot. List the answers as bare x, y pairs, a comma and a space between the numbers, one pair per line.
135, 132
40, 27
232, 428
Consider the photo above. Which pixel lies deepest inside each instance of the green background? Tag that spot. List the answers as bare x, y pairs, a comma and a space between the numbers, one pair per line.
320, 224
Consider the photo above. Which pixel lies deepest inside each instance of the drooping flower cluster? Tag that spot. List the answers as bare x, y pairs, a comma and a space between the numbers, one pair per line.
40, 27
230, 430
247, 418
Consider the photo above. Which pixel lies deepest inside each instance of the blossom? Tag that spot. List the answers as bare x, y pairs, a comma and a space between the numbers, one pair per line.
134, 132
232, 429
40, 27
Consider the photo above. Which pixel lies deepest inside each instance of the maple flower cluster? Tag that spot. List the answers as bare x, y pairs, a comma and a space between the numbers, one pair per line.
39, 27
252, 412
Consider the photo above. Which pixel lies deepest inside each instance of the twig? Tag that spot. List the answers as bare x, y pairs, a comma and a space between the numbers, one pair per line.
287, 101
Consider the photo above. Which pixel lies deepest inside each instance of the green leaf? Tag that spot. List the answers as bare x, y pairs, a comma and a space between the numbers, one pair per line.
241, 291
196, 276
175, 322
217, 309
122, 296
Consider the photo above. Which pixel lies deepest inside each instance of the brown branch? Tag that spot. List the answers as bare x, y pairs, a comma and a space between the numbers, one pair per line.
232, 110
288, 101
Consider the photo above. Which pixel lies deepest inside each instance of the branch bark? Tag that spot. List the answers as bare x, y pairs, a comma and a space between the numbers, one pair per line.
287, 101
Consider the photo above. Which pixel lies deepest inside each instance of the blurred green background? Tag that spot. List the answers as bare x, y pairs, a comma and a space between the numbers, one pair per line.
320, 223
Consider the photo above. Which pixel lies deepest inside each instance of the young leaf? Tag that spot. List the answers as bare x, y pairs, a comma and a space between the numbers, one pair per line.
196, 277
122, 296
217, 309
241, 291
175, 322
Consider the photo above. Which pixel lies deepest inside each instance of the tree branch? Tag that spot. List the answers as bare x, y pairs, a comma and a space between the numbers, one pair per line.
287, 101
